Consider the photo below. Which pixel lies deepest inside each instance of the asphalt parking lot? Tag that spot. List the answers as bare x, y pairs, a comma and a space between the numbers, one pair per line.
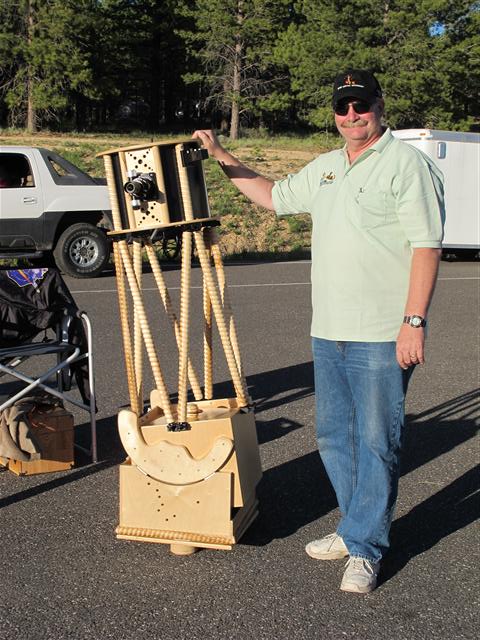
65, 575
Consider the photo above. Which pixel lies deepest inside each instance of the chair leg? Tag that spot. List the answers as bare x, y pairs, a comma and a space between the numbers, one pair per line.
91, 387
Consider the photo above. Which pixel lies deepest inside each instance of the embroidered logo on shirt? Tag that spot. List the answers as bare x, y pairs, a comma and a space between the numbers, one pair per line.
327, 179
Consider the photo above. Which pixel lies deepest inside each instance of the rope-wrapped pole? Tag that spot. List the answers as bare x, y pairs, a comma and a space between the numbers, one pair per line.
217, 260
137, 332
127, 345
137, 263
238, 383
121, 290
185, 286
167, 304
207, 334
184, 322
147, 334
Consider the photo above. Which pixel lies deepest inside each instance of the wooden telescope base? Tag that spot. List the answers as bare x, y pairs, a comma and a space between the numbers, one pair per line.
189, 489
185, 543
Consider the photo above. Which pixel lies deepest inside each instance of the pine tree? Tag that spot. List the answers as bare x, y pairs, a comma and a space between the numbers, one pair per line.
423, 53
233, 41
42, 57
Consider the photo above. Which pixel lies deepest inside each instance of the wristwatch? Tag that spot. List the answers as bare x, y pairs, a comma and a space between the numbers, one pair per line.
415, 321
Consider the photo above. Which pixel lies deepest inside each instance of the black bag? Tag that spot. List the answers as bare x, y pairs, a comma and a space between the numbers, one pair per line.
34, 300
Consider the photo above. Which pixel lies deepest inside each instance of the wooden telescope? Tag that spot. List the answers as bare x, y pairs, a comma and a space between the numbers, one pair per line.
192, 468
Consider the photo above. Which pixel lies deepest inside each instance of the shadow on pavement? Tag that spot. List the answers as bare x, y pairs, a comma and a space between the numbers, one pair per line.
447, 511
282, 386
298, 492
66, 478
110, 453
290, 496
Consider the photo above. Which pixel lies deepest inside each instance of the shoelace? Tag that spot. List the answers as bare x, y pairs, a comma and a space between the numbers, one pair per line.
360, 565
331, 536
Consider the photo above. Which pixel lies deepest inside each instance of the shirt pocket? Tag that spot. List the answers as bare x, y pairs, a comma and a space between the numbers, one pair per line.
371, 209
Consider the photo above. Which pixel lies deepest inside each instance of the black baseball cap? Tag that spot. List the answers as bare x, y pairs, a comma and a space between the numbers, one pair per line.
355, 83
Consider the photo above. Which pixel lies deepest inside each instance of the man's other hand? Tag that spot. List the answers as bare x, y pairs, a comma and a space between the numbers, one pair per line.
410, 346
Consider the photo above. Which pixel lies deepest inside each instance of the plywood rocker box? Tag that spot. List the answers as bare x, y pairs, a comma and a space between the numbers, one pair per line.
192, 468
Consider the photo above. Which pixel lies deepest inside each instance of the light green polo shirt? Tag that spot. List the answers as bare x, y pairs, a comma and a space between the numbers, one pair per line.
367, 217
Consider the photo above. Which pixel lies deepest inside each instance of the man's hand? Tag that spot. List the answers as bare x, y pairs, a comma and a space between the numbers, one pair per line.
410, 346
256, 187
209, 141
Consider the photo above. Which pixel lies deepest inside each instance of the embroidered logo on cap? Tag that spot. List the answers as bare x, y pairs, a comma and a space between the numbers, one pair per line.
350, 82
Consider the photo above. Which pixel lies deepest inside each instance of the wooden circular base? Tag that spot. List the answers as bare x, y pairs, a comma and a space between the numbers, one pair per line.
182, 549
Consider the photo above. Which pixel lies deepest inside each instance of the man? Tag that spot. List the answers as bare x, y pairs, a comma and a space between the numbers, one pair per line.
377, 213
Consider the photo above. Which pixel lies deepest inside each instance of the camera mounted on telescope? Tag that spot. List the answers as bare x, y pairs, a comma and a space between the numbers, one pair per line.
141, 187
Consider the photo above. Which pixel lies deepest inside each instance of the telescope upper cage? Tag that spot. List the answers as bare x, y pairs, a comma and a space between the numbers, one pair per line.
147, 184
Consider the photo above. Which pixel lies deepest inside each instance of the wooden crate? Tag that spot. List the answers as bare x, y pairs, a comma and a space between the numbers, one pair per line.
53, 430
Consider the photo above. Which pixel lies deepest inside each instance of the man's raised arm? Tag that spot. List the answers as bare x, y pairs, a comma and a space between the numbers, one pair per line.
256, 187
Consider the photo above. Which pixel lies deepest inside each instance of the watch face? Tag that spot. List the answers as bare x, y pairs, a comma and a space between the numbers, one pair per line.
416, 321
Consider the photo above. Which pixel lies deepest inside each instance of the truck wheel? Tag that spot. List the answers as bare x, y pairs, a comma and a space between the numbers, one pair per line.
82, 251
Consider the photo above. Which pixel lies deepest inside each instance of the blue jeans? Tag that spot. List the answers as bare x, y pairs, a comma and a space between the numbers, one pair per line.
360, 398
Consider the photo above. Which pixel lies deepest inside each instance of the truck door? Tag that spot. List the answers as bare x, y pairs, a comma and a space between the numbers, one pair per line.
21, 203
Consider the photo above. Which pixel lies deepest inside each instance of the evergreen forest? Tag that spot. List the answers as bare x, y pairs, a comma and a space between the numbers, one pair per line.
235, 65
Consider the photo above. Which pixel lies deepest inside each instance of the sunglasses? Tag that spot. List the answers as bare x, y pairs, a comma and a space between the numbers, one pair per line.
359, 106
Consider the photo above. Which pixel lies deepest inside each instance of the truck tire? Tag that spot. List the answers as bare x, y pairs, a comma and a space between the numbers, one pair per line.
82, 251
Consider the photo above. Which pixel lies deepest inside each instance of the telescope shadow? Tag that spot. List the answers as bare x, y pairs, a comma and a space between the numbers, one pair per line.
450, 509
272, 389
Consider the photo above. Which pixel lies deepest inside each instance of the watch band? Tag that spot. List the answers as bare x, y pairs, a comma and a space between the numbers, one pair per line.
415, 321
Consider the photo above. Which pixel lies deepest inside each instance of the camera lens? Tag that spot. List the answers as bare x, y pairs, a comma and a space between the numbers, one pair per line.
140, 187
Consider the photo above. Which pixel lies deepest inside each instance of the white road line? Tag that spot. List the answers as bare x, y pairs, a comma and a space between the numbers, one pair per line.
230, 286
240, 286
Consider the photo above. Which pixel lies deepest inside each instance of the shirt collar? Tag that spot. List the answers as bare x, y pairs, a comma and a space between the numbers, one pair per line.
380, 145
383, 142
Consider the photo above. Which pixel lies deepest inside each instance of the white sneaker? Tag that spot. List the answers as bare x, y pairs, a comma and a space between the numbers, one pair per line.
360, 575
331, 547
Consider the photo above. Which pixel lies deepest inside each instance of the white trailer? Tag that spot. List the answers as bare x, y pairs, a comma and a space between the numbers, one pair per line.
457, 155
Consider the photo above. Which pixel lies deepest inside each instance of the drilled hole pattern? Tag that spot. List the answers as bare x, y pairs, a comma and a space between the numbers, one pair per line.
142, 161
162, 504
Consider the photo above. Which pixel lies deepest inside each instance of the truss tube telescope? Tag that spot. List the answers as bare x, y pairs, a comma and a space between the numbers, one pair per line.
193, 465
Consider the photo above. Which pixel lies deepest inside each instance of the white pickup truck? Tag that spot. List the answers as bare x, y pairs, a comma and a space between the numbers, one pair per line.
50, 209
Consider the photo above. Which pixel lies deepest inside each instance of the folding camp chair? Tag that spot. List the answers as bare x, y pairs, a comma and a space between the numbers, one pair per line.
33, 301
